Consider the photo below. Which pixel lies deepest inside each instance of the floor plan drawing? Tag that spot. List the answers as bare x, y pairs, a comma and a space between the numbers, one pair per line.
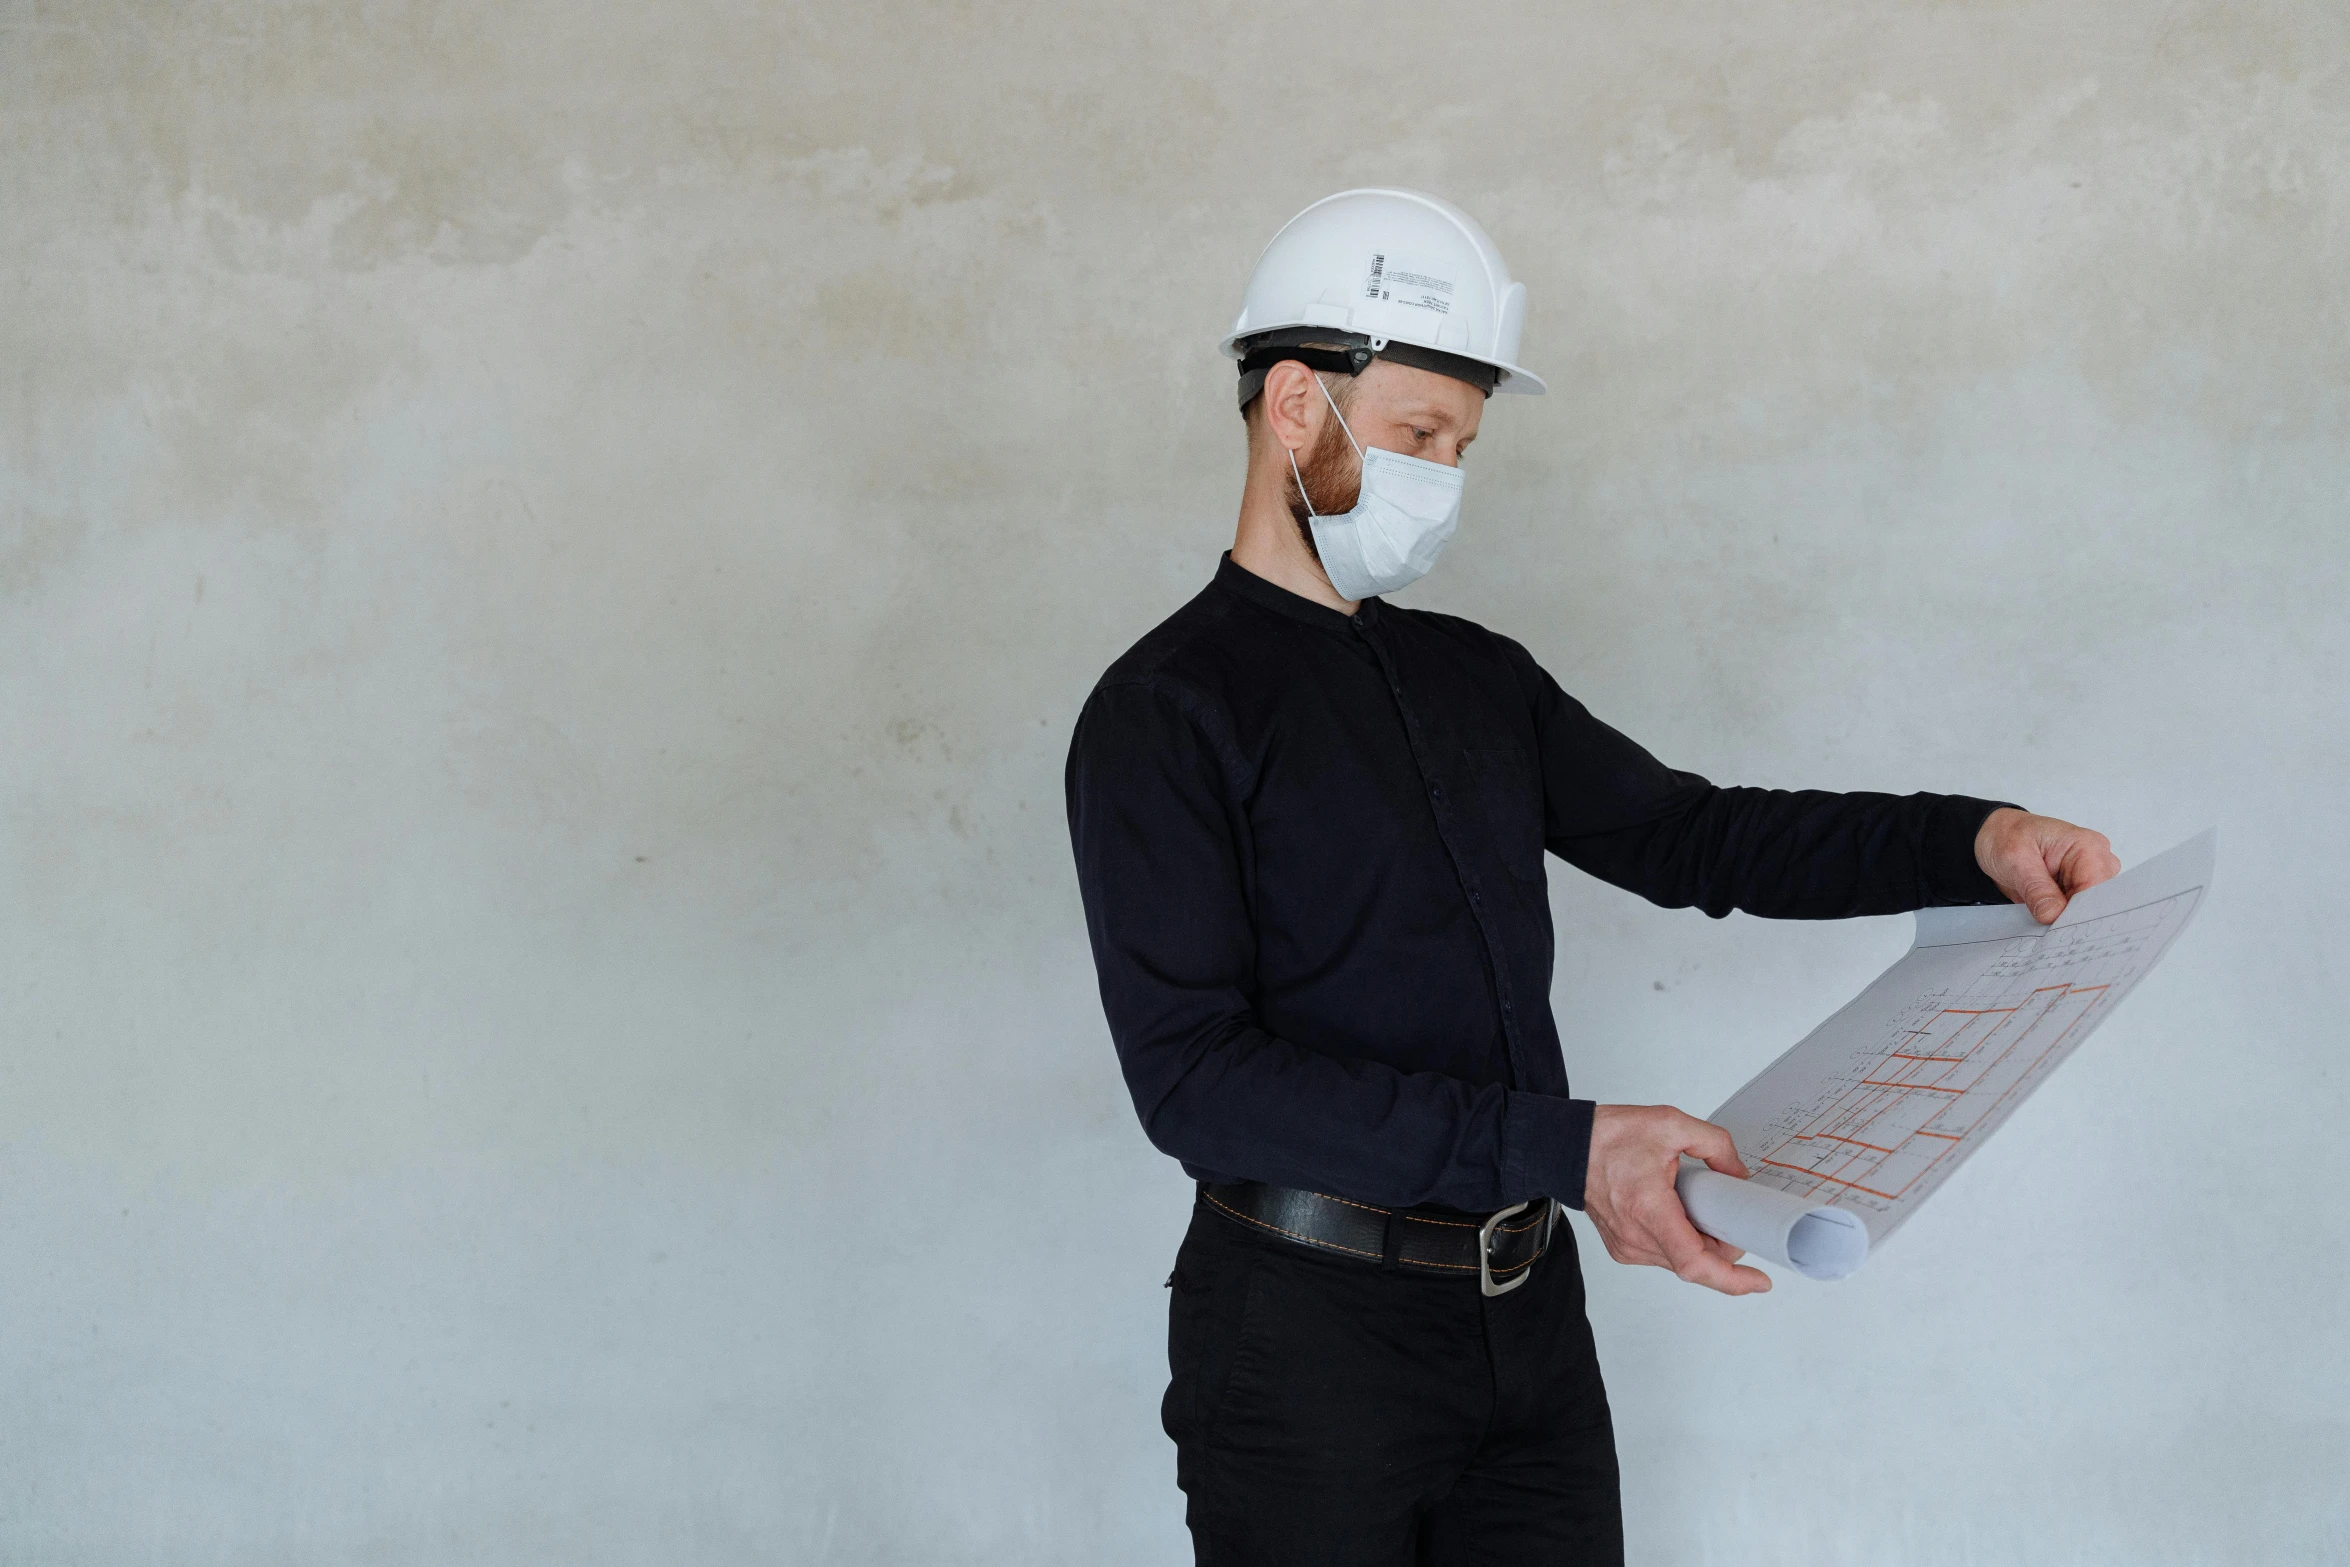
1871, 1112
1955, 1063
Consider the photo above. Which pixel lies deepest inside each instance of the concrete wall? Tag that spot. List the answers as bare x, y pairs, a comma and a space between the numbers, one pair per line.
547, 557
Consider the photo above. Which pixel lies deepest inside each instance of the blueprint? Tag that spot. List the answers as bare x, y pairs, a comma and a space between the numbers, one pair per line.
1864, 1119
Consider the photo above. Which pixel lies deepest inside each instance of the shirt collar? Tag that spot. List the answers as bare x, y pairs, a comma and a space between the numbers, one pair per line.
1235, 578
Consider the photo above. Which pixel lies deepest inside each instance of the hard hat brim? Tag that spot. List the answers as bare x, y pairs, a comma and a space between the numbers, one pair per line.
1523, 383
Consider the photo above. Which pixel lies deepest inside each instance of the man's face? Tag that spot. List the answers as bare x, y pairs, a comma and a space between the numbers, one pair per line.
1395, 408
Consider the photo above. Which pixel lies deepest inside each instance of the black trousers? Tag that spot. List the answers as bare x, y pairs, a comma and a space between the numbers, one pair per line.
1326, 1410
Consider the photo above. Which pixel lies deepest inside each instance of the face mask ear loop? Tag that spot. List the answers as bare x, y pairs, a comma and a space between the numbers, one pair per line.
1333, 402
1342, 429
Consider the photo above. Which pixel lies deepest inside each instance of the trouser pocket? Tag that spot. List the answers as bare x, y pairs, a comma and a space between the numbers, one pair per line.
1207, 1323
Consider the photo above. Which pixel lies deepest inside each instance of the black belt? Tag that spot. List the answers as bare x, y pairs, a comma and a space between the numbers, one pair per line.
1499, 1249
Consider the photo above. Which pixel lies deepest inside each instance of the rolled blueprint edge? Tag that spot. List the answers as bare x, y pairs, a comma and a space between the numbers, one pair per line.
1814, 1239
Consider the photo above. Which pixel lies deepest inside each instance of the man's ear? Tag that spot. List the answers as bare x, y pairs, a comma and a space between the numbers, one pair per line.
1293, 405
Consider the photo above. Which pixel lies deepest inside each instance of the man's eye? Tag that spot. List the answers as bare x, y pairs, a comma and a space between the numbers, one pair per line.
1419, 434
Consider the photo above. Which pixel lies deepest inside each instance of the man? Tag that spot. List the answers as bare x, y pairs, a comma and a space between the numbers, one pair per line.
1309, 828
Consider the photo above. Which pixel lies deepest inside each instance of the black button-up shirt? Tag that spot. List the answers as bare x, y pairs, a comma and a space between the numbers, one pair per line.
1311, 851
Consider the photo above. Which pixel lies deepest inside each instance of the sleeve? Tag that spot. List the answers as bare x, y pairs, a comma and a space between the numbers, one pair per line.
1156, 820
1615, 811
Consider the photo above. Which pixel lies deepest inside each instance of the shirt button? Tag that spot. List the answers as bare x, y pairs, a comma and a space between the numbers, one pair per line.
1436, 791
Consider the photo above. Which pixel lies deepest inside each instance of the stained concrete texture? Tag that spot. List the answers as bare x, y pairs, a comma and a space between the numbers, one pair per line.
547, 557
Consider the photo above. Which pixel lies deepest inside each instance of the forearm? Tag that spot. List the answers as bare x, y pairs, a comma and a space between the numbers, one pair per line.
1796, 854
1614, 810
1238, 1100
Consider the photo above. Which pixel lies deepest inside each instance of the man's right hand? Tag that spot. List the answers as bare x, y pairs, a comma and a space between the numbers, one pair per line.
1628, 1193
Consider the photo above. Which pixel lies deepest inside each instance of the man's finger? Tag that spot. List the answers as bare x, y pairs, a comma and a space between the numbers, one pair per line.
1693, 1257
2036, 890
2088, 859
1717, 1273
1710, 1143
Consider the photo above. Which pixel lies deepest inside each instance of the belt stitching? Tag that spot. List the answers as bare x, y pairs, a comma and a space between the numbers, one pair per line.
1357, 1251
1418, 1218
1309, 1240
1351, 1203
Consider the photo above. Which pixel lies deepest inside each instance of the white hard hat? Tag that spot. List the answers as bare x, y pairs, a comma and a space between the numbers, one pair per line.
1389, 273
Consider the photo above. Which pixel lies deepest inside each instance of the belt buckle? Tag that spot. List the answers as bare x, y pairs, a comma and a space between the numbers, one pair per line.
1485, 1251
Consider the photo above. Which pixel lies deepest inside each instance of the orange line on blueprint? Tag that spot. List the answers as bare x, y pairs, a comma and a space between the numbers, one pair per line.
1847, 1113
1855, 1185
2050, 1048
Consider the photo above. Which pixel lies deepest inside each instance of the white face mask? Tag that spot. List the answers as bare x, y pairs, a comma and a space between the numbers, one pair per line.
1403, 515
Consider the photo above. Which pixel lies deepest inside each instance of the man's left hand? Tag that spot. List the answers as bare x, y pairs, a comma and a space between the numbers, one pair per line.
2041, 862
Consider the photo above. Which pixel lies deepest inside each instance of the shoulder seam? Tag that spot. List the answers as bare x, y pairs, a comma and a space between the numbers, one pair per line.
1190, 703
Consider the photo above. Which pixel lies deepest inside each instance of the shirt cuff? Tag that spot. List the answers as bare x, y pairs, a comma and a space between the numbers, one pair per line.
1547, 1147
1952, 873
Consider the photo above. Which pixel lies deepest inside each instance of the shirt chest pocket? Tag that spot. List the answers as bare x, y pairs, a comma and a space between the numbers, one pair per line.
1508, 797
